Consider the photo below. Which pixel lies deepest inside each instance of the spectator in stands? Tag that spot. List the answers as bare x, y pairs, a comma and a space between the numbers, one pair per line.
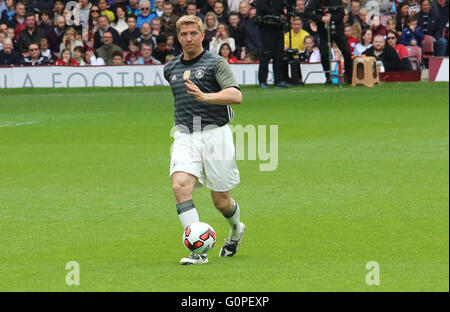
401, 18
117, 58
309, 54
390, 24
30, 34
365, 43
45, 51
133, 7
220, 38
35, 58
157, 27
146, 36
3, 36
211, 23
55, 35
237, 32
66, 59
170, 46
103, 5
385, 7
226, 53
300, 11
355, 12
440, 7
2, 6
58, 8
311, 28
134, 54
352, 41
4, 28
180, 8
208, 6
130, 33
82, 10
147, 58
107, 48
18, 22
298, 35
376, 26
145, 16
158, 10
427, 20
120, 21
244, 10
219, 9
69, 41
191, 9
9, 57
92, 59
412, 35
391, 39
364, 19
160, 53
8, 14
103, 26
385, 54
45, 20
90, 28
78, 56
169, 19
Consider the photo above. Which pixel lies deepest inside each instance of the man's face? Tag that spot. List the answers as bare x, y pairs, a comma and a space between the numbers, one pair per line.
244, 8
378, 43
30, 22
297, 26
146, 51
34, 51
191, 9
156, 25
146, 29
168, 10
103, 5
425, 7
107, 38
181, 2
300, 6
441, 2
3, 28
234, 20
103, 22
145, 9
356, 8
60, 23
159, 4
218, 8
308, 44
252, 13
20, 9
131, 22
7, 46
363, 16
190, 38
59, 6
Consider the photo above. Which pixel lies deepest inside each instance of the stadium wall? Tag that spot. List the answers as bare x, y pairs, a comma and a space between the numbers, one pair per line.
118, 76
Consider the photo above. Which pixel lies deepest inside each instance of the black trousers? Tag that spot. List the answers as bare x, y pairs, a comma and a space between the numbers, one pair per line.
342, 43
272, 38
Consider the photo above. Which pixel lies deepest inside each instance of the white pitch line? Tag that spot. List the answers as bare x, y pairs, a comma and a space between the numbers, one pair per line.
13, 124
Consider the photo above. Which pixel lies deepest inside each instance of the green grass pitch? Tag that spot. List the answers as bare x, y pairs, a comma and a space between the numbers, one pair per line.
363, 175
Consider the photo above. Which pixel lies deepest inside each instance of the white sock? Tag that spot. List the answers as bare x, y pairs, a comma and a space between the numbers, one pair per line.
233, 219
187, 213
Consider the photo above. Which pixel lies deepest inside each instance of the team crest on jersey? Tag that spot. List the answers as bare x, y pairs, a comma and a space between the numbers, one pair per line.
199, 73
187, 74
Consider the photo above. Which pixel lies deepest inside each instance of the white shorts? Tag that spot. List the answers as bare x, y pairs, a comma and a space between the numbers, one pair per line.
209, 155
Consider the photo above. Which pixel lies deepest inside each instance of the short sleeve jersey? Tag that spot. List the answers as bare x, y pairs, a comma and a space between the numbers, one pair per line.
211, 73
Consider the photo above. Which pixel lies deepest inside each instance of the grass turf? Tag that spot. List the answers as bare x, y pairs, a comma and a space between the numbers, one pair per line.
362, 175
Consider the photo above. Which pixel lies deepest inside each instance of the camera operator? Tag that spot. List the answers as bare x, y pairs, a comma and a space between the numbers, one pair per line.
269, 13
333, 17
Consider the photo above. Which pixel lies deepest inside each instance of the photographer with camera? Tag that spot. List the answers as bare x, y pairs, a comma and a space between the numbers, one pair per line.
329, 15
271, 21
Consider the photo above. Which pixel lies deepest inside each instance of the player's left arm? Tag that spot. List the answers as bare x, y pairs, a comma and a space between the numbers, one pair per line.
230, 93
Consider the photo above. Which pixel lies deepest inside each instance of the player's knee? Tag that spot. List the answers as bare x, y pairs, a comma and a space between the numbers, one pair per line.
221, 202
180, 187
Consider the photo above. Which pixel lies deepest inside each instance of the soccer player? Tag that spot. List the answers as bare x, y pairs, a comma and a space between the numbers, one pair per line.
203, 151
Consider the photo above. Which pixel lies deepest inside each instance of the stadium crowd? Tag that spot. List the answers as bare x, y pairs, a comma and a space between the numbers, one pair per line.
118, 32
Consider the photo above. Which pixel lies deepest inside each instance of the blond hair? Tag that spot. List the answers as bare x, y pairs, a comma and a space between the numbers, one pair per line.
190, 19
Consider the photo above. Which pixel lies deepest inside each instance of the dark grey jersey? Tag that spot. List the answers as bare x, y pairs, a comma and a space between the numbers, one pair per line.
211, 73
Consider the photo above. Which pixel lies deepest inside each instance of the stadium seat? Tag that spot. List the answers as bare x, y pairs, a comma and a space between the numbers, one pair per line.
415, 56
428, 46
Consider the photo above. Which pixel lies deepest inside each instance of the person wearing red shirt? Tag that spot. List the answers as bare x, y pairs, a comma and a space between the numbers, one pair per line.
392, 40
225, 52
352, 41
66, 59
